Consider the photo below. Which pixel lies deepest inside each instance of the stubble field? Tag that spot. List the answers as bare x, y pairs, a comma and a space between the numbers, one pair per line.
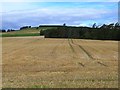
37, 62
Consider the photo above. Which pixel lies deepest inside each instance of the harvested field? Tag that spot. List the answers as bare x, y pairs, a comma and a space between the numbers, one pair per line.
37, 62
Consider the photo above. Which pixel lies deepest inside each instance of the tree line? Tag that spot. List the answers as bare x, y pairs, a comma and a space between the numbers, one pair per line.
25, 27
10, 30
104, 32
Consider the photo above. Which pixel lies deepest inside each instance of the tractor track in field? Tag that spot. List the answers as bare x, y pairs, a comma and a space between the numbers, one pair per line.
53, 51
72, 47
102, 64
90, 56
85, 52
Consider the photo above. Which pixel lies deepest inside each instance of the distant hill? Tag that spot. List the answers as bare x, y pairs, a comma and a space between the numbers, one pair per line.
33, 31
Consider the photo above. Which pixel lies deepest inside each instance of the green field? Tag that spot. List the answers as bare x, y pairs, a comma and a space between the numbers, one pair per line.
25, 32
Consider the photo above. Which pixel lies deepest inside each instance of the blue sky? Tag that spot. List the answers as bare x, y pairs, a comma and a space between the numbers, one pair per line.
18, 14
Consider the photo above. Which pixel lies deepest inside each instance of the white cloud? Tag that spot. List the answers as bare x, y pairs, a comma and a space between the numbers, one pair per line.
71, 16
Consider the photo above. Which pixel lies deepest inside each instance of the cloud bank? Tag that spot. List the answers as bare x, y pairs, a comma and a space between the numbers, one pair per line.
52, 13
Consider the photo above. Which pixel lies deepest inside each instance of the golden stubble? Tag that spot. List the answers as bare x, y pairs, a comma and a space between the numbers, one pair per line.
59, 63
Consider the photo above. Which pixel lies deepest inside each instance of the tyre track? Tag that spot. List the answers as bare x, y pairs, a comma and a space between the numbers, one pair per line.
102, 64
70, 42
84, 51
53, 51
71, 46
90, 56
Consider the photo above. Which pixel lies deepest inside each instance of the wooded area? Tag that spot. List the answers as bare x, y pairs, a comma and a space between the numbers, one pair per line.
105, 32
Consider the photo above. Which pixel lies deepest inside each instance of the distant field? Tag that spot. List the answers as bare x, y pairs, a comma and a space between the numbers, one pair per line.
38, 62
25, 32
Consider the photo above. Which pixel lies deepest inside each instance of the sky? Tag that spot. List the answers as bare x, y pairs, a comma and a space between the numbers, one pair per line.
17, 14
